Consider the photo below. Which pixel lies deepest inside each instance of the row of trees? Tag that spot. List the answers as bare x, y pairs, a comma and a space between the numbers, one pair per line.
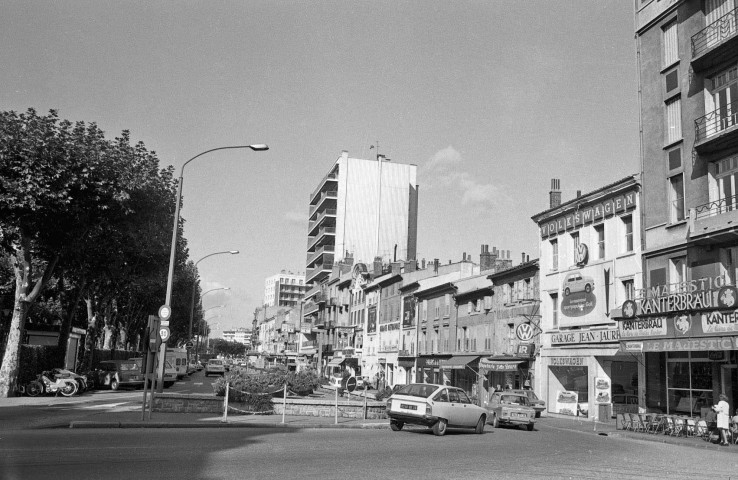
85, 232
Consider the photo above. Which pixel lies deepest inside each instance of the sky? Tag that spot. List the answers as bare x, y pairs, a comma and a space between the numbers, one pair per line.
490, 99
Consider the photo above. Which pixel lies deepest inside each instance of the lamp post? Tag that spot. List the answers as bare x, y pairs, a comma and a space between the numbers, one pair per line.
194, 286
199, 333
175, 229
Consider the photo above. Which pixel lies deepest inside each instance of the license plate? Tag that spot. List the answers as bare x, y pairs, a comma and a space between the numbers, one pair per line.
519, 415
405, 406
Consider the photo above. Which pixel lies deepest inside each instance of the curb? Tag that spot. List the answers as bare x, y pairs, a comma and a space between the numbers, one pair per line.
98, 425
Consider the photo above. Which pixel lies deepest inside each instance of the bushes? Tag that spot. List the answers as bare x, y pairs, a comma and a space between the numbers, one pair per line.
255, 391
34, 359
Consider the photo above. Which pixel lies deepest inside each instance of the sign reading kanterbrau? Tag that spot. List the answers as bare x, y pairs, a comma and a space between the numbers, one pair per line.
588, 215
702, 294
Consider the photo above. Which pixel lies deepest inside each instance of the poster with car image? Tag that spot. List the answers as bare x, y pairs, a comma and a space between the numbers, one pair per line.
585, 295
602, 390
566, 402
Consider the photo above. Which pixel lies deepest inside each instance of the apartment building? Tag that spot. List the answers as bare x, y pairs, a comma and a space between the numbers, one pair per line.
362, 209
688, 83
284, 289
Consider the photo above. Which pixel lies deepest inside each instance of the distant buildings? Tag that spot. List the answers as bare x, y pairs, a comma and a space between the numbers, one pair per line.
362, 209
240, 335
285, 289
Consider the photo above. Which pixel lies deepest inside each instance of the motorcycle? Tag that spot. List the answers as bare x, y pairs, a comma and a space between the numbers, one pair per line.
82, 381
46, 383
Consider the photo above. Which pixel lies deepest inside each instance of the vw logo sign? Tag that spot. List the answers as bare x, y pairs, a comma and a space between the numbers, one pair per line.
581, 255
524, 332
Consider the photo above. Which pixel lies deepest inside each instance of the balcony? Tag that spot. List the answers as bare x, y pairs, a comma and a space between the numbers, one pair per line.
718, 130
324, 235
332, 179
320, 271
716, 42
325, 196
326, 218
715, 221
315, 256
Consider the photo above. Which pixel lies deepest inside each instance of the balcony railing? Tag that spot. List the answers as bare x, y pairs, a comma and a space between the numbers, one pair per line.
314, 256
332, 176
332, 194
714, 34
716, 207
716, 121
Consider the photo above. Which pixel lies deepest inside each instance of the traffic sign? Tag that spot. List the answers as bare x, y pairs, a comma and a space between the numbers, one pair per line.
350, 384
165, 311
164, 333
189, 344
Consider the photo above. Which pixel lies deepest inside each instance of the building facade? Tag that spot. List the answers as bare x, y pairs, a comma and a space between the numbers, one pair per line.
362, 209
590, 264
683, 321
285, 289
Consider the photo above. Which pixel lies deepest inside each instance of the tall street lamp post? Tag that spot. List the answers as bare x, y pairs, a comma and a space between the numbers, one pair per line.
170, 276
194, 287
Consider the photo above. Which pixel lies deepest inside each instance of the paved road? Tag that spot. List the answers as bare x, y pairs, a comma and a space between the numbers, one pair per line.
340, 454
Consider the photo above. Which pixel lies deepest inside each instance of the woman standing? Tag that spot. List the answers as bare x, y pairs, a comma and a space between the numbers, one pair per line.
723, 415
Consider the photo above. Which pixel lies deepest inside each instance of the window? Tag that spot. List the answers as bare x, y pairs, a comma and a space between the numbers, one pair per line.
447, 306
671, 80
722, 101
425, 310
600, 234
671, 44
629, 289
628, 231
555, 310
469, 308
677, 273
675, 158
575, 243
437, 308
478, 307
719, 26
726, 175
510, 292
676, 198
673, 121
510, 337
554, 254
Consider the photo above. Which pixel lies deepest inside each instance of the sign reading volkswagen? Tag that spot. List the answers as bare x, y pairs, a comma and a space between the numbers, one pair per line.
524, 332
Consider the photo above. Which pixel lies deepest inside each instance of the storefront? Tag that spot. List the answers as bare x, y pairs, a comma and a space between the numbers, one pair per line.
586, 374
504, 372
686, 336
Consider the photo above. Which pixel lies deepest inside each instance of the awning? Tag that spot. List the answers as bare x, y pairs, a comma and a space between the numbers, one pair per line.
309, 351
499, 365
406, 363
336, 362
350, 361
457, 362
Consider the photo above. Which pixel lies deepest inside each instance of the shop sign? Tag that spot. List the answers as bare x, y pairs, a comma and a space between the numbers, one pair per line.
631, 347
581, 255
589, 215
720, 322
689, 344
371, 323
428, 362
525, 350
486, 365
306, 330
566, 361
587, 336
702, 294
524, 332
643, 327
288, 328
345, 330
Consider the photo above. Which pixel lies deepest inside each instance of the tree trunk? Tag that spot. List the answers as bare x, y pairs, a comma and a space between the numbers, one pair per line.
26, 293
91, 335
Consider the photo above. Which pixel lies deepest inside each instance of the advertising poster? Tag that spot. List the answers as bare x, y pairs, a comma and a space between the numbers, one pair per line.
371, 324
408, 309
602, 390
566, 402
585, 296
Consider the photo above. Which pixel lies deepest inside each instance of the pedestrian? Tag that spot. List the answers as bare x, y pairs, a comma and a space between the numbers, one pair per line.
723, 417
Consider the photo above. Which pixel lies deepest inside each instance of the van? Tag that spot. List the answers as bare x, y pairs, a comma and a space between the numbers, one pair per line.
170, 373
178, 358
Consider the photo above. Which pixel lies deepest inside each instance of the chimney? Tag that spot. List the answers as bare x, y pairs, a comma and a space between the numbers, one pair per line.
555, 194
411, 265
522, 260
435, 265
579, 193
485, 259
422, 264
377, 267
344, 154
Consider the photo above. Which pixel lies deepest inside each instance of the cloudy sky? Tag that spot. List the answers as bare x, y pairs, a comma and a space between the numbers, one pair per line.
490, 99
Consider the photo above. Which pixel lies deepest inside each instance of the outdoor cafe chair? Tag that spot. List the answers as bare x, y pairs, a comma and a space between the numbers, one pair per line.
658, 424
638, 425
700, 430
625, 423
690, 427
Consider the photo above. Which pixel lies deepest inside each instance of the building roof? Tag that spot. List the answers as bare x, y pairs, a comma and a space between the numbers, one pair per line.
472, 284
427, 285
383, 280
587, 197
513, 270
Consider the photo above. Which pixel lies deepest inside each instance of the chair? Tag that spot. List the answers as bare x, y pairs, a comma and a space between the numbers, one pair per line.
658, 424
647, 420
638, 424
670, 425
690, 427
700, 430
625, 423
679, 427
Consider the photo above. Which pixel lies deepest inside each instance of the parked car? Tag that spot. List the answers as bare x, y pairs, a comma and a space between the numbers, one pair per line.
537, 404
170, 373
118, 373
215, 365
511, 409
436, 406
361, 382
575, 282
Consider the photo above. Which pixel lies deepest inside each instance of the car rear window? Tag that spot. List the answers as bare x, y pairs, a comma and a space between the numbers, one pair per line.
417, 390
516, 399
128, 366
215, 362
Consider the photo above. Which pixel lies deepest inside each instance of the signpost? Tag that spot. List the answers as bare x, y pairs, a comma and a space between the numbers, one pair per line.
350, 384
165, 311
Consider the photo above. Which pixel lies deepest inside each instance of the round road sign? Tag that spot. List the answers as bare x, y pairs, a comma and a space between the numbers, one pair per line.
350, 384
164, 333
524, 332
165, 311
189, 344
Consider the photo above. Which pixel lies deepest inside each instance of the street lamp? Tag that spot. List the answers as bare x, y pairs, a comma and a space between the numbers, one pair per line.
257, 147
194, 286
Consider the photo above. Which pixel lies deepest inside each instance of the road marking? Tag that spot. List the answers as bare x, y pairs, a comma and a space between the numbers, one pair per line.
103, 406
198, 383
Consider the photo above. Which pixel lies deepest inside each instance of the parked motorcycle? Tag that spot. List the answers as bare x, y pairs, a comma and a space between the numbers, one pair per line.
46, 383
81, 380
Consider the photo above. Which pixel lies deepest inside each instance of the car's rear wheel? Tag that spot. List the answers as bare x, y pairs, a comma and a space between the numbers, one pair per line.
439, 428
538, 414
495, 422
530, 427
480, 425
114, 384
396, 426
588, 288
566, 292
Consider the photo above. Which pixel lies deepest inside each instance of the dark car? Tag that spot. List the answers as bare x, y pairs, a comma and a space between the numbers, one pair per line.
537, 404
118, 373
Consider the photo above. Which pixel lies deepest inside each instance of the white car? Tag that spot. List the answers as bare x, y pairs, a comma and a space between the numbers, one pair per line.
215, 366
436, 406
576, 282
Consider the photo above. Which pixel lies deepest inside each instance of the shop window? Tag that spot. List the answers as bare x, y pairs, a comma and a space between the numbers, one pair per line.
568, 389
